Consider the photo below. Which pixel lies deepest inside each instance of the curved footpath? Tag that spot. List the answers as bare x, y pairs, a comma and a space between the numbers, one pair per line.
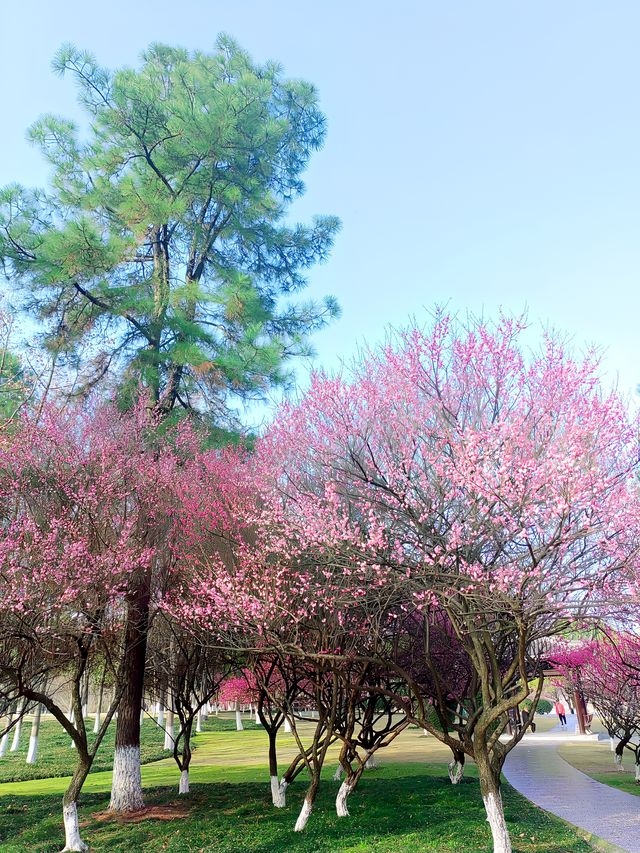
536, 770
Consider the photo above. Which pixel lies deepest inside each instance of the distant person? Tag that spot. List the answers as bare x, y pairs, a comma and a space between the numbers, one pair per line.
561, 712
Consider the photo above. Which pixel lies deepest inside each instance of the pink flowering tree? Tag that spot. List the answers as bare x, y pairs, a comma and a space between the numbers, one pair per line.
449, 471
606, 670
68, 546
187, 671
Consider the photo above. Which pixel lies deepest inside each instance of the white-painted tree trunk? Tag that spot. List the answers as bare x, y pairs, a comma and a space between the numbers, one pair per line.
341, 800
15, 743
4, 741
126, 787
141, 716
72, 838
495, 818
612, 744
32, 752
425, 733
370, 763
160, 714
303, 817
169, 732
97, 722
456, 772
239, 726
637, 772
199, 722
184, 782
287, 725
618, 761
278, 792
337, 776
258, 721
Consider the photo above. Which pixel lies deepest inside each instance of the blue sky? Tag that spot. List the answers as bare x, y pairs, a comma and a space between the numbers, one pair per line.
479, 154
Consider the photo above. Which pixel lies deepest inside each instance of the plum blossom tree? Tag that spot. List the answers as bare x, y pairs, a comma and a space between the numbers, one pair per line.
452, 472
188, 671
68, 547
607, 671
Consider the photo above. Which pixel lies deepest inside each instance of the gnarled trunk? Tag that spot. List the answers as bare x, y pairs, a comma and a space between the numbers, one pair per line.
307, 805
279, 792
491, 797
456, 767
341, 799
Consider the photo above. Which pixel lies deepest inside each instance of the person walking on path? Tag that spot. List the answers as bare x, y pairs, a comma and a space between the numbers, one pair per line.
561, 712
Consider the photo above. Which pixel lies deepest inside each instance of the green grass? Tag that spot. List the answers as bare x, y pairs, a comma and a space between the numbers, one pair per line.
405, 806
399, 808
56, 756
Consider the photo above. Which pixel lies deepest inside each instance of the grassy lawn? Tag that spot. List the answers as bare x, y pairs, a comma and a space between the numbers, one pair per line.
407, 805
596, 760
56, 756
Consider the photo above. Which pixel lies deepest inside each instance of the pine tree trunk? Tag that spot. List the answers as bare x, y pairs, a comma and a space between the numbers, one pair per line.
126, 788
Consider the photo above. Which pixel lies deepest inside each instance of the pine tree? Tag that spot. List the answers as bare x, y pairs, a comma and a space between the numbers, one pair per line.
161, 251
161, 254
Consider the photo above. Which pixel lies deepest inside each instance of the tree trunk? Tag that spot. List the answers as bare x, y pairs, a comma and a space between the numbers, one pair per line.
619, 752
15, 743
278, 789
239, 726
4, 741
169, 731
73, 841
126, 787
287, 725
492, 799
32, 753
184, 782
96, 722
307, 805
456, 767
341, 799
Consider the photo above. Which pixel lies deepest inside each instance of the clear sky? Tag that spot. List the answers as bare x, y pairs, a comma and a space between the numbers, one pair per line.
479, 154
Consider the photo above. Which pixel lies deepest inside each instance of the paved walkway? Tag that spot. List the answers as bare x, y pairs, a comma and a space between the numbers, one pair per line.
536, 770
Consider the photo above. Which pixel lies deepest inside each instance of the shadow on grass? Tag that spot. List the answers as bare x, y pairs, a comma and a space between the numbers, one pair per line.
395, 810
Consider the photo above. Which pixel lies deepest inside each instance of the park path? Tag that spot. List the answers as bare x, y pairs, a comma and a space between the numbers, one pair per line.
536, 770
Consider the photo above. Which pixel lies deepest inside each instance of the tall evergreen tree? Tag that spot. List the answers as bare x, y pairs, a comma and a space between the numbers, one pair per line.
161, 253
161, 250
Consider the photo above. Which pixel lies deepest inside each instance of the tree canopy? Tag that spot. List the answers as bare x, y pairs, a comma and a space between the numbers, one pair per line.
161, 252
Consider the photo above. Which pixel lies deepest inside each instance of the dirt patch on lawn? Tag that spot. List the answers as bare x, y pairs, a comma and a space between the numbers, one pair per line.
166, 811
